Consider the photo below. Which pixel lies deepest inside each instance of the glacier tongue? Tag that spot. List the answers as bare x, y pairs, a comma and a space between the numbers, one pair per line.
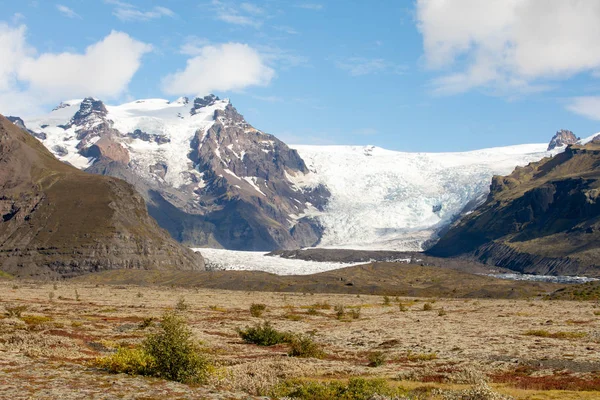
383, 199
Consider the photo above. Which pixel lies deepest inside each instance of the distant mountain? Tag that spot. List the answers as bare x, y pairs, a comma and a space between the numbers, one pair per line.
562, 138
213, 180
543, 218
209, 177
57, 221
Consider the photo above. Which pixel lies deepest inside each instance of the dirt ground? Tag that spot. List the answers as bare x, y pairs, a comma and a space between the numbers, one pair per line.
529, 349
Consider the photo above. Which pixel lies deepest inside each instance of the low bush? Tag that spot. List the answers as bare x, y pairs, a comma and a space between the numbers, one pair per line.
421, 356
377, 359
257, 309
263, 334
354, 389
170, 353
427, 307
305, 347
555, 335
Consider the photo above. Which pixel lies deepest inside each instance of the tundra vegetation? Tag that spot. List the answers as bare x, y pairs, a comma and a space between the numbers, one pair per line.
107, 341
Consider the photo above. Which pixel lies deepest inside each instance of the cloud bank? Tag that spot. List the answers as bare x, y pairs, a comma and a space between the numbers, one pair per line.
224, 67
508, 45
28, 79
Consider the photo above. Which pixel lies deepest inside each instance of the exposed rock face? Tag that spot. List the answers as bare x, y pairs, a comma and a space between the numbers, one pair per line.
57, 221
562, 138
543, 218
208, 176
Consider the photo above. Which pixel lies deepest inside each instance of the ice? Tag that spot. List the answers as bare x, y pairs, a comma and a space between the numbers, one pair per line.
382, 199
257, 261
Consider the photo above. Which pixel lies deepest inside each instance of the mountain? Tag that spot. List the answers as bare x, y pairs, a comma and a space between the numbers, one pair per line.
543, 218
390, 200
213, 180
562, 138
57, 221
208, 177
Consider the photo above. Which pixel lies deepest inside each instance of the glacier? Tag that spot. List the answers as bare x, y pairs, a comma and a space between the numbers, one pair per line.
391, 200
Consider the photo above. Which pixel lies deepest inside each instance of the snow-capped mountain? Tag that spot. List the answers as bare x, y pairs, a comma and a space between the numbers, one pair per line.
208, 176
211, 179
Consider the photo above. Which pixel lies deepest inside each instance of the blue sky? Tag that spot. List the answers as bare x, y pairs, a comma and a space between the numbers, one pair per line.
425, 75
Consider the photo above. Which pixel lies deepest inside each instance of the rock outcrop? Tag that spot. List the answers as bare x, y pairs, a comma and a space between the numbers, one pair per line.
57, 221
562, 138
543, 218
207, 175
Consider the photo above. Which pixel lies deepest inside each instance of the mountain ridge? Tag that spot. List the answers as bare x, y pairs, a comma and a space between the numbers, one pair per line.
58, 221
543, 218
213, 180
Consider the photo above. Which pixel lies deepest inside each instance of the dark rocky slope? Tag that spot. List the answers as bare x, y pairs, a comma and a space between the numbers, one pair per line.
238, 191
543, 218
57, 221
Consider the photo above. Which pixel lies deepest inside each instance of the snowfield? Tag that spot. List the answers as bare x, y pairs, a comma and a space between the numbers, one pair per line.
226, 260
382, 199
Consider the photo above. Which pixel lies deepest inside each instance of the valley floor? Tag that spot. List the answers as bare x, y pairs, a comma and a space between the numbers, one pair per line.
530, 349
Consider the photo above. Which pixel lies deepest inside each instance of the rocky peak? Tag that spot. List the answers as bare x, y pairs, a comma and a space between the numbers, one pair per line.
90, 111
61, 106
205, 101
562, 138
18, 122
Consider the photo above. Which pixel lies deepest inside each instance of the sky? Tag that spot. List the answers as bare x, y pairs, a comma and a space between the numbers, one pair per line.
422, 75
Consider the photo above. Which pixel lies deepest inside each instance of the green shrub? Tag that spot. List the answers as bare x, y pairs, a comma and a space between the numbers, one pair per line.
402, 307
421, 356
128, 361
176, 356
169, 353
305, 347
257, 309
442, 312
555, 335
263, 335
377, 359
182, 305
354, 389
386, 301
427, 307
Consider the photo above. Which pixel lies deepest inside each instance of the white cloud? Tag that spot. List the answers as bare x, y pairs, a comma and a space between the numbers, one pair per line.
508, 44
29, 80
358, 66
229, 66
193, 45
129, 12
244, 15
14, 49
67, 12
587, 106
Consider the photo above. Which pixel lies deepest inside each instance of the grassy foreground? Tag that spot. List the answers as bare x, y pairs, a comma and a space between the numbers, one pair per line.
318, 346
